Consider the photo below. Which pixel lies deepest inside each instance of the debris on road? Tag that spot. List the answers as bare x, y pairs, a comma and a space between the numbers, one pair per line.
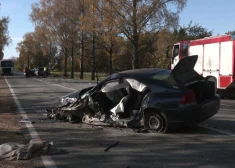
111, 146
26, 121
16, 151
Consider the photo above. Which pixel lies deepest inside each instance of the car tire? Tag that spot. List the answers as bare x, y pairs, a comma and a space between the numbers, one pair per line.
155, 121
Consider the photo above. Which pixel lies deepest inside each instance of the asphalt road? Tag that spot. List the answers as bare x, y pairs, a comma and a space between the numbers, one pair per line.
208, 145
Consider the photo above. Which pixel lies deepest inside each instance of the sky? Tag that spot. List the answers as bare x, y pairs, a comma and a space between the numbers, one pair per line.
215, 15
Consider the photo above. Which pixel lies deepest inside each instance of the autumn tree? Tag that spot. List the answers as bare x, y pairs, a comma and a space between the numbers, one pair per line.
25, 48
53, 15
47, 45
31, 50
109, 34
91, 21
4, 35
105, 34
138, 16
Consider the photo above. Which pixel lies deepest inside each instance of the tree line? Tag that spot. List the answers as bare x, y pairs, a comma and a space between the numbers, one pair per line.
5, 39
103, 35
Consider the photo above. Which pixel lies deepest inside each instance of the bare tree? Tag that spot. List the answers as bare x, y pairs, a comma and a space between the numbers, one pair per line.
137, 16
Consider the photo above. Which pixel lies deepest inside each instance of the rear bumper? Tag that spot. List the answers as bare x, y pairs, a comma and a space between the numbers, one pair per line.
194, 114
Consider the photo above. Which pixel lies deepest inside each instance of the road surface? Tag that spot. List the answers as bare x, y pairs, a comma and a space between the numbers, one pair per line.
208, 145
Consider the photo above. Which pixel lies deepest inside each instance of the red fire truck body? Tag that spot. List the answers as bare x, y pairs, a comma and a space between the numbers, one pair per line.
215, 58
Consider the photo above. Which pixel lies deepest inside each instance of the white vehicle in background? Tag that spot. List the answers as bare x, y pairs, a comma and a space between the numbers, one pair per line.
6, 67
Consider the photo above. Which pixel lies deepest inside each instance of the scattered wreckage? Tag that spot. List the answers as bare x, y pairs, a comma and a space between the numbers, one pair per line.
15, 151
151, 98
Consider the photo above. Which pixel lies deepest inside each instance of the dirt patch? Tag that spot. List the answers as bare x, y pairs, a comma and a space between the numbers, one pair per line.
10, 128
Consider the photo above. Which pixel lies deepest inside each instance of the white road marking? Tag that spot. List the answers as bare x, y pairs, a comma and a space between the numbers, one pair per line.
225, 104
225, 109
64, 86
60, 86
57, 85
217, 130
47, 160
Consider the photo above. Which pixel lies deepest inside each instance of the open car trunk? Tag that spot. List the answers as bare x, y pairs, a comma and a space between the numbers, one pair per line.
204, 90
186, 77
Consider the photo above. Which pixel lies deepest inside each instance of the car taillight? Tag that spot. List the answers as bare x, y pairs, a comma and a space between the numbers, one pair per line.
188, 100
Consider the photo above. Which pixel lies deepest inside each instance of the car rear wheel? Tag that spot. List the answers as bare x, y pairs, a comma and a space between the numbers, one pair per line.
154, 121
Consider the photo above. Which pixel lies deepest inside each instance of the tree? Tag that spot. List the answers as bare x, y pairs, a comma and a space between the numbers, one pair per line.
230, 32
191, 32
25, 48
4, 35
53, 15
30, 50
134, 17
46, 44
108, 32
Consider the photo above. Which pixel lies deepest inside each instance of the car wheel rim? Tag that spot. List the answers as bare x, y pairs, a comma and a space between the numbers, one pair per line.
154, 122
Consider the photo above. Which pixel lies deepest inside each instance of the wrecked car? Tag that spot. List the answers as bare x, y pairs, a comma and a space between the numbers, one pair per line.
152, 98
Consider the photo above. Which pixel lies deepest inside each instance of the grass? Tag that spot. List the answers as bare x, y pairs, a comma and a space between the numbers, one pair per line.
86, 75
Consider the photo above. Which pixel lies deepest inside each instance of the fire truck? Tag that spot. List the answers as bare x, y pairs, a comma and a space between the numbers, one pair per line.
215, 60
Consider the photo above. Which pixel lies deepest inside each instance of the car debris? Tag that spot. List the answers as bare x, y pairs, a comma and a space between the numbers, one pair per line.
111, 146
26, 121
16, 151
152, 98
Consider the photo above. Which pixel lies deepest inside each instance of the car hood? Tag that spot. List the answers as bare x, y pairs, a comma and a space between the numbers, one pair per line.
72, 97
184, 72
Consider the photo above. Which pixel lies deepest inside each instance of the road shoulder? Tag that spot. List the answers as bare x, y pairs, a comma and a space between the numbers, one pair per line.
11, 130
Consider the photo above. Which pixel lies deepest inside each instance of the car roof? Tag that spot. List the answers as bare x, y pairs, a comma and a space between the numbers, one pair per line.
141, 72
141, 75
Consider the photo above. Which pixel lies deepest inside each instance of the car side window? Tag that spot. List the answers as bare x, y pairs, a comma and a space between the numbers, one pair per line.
114, 90
109, 86
164, 76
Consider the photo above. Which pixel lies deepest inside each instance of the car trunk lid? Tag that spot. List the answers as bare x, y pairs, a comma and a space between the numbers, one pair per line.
184, 72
